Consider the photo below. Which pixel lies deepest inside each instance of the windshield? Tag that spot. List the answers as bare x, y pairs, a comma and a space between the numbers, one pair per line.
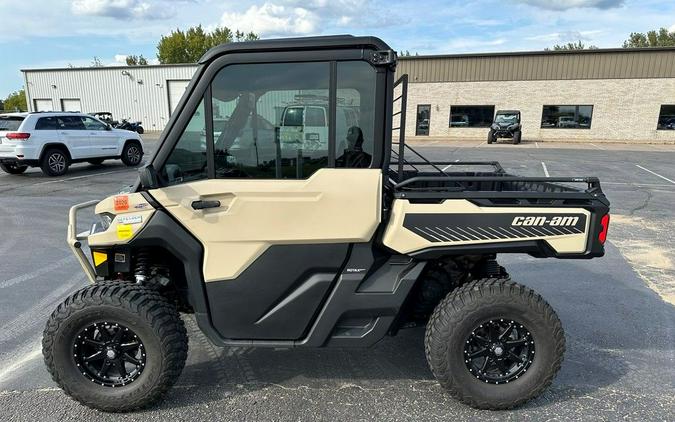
506, 118
10, 123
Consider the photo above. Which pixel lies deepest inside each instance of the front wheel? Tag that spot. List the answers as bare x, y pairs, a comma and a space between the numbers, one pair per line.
516, 137
491, 137
494, 344
115, 346
13, 168
132, 154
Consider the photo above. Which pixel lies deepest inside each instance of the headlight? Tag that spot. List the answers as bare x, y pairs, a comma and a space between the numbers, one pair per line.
106, 220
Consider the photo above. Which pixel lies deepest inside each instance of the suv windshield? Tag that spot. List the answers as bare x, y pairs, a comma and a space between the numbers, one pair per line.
10, 123
506, 118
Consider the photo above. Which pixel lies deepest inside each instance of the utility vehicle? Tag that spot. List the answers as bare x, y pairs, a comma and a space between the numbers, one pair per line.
337, 250
506, 125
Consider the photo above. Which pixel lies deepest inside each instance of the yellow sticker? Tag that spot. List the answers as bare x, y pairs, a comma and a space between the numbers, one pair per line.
100, 257
124, 231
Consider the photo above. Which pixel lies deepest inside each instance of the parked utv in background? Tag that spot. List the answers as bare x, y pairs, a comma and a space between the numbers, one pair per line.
506, 125
124, 124
337, 247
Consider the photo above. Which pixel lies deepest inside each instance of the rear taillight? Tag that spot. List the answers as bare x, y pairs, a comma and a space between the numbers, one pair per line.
17, 135
604, 222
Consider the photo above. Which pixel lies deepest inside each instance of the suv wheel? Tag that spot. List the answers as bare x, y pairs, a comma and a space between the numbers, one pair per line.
13, 168
115, 346
55, 162
494, 344
132, 154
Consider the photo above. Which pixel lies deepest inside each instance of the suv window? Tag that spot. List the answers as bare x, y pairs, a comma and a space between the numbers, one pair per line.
187, 161
10, 123
47, 123
71, 123
250, 103
93, 124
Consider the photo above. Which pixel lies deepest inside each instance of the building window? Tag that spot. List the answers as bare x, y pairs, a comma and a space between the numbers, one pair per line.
667, 118
471, 116
423, 119
567, 117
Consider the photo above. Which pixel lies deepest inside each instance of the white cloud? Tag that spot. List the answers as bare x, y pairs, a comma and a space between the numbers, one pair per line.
124, 9
272, 19
121, 58
565, 36
571, 4
672, 28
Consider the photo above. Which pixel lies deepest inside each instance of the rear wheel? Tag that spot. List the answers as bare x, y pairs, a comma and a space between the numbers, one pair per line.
55, 162
516, 137
132, 154
494, 344
13, 168
140, 130
115, 346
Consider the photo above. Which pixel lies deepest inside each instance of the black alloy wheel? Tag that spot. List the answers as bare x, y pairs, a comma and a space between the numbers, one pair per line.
499, 351
110, 355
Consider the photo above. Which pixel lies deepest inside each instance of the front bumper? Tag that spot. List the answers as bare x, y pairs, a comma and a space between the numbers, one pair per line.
75, 240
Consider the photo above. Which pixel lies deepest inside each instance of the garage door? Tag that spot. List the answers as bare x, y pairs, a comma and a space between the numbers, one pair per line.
71, 104
43, 105
176, 90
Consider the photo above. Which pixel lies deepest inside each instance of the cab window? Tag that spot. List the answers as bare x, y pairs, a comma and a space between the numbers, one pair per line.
355, 131
187, 161
262, 116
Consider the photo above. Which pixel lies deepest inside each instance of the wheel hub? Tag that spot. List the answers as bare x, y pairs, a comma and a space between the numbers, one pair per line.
109, 354
499, 351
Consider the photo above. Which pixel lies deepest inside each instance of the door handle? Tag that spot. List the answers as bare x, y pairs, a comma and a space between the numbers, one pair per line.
201, 205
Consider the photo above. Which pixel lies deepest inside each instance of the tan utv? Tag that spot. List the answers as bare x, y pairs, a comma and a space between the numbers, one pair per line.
268, 245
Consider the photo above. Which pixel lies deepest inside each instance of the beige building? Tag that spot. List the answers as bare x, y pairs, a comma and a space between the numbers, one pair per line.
621, 95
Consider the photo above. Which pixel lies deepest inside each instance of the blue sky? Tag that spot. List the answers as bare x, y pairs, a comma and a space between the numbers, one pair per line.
56, 33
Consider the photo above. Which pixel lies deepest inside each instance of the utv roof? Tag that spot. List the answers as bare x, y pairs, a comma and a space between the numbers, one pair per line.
297, 44
508, 111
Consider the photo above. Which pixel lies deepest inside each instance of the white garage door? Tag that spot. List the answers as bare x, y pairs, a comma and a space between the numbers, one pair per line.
43, 105
176, 90
71, 104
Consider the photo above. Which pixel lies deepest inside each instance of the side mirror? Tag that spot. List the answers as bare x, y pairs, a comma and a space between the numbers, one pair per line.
149, 177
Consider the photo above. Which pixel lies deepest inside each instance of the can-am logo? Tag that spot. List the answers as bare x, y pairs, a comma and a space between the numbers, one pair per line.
543, 220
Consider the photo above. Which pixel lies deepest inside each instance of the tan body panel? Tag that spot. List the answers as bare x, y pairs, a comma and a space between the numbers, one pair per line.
128, 220
405, 241
332, 206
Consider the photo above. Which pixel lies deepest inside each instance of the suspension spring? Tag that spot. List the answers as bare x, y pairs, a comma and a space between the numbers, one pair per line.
142, 265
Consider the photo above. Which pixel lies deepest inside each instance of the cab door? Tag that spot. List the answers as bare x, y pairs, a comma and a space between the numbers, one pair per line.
275, 229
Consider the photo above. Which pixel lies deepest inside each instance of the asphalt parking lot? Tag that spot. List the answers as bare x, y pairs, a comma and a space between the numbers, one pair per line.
618, 311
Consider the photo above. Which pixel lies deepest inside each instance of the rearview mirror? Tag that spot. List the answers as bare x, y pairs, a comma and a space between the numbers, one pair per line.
149, 177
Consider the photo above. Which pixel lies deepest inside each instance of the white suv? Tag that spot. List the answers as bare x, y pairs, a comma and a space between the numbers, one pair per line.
54, 140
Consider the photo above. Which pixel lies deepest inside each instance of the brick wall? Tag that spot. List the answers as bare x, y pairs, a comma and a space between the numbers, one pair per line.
624, 110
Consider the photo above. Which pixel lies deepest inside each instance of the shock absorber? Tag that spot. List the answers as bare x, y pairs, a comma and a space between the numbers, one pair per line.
142, 265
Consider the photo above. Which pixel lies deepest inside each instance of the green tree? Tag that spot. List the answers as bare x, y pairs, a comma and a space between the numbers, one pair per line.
96, 62
188, 46
16, 101
571, 46
660, 38
136, 60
